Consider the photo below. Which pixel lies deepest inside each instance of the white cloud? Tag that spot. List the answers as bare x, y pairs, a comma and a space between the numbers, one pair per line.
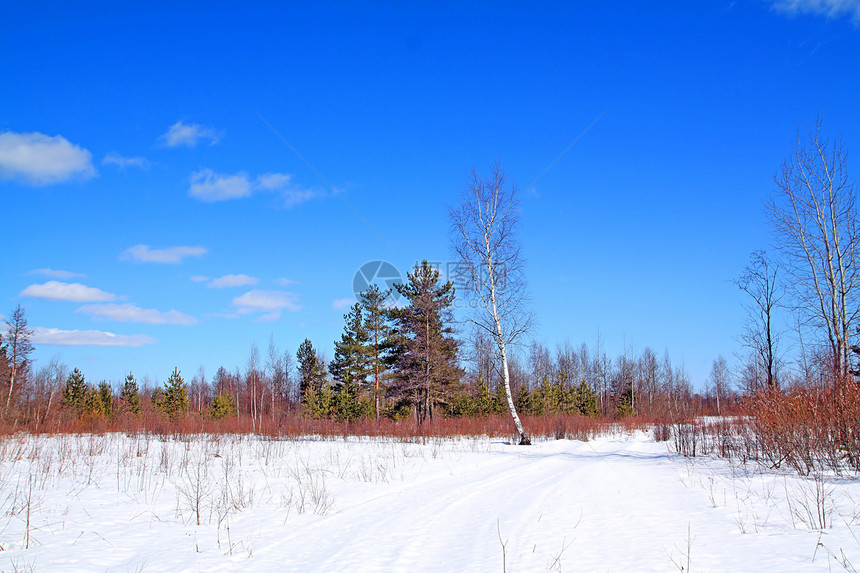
342, 303
74, 292
206, 185
270, 302
828, 8
293, 197
57, 337
273, 181
280, 183
171, 255
38, 159
55, 274
233, 281
199, 279
211, 187
131, 313
114, 158
284, 282
188, 134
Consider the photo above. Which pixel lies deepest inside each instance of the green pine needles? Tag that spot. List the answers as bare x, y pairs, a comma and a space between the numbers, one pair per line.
173, 400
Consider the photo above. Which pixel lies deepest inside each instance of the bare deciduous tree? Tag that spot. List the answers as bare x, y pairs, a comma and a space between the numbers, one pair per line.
720, 380
18, 350
489, 255
274, 371
815, 218
759, 281
252, 381
649, 369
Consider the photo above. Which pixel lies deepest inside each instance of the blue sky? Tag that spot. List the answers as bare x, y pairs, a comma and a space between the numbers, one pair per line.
154, 219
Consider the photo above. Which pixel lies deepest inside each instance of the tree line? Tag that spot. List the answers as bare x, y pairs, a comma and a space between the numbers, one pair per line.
411, 361
394, 362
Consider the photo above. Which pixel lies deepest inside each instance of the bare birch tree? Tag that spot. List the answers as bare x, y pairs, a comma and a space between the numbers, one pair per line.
252, 381
720, 380
815, 218
760, 282
484, 241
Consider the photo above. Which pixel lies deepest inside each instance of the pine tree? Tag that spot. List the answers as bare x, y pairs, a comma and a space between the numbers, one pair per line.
222, 406
352, 353
462, 405
485, 402
348, 404
500, 399
553, 395
75, 393
173, 400
129, 398
105, 398
585, 400
525, 401
377, 324
93, 406
311, 368
317, 404
426, 368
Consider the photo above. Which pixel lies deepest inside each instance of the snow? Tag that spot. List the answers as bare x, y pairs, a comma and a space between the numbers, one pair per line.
620, 502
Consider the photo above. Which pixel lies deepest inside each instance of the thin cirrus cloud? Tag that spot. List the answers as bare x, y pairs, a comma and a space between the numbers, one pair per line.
57, 337
268, 303
114, 158
827, 8
39, 159
72, 292
211, 187
56, 274
182, 134
169, 255
130, 313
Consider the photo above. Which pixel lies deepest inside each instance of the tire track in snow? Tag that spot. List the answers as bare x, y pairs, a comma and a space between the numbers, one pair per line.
450, 521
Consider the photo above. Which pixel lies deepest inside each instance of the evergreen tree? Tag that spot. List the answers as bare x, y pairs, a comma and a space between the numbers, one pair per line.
311, 368
348, 404
352, 353
173, 400
129, 398
222, 406
93, 406
552, 393
485, 402
585, 400
525, 401
75, 393
377, 324
317, 403
426, 370
462, 405
500, 399
105, 398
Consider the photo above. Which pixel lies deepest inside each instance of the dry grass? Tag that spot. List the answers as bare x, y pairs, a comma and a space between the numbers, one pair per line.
496, 426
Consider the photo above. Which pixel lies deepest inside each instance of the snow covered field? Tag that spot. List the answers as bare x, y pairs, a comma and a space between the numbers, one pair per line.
617, 503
